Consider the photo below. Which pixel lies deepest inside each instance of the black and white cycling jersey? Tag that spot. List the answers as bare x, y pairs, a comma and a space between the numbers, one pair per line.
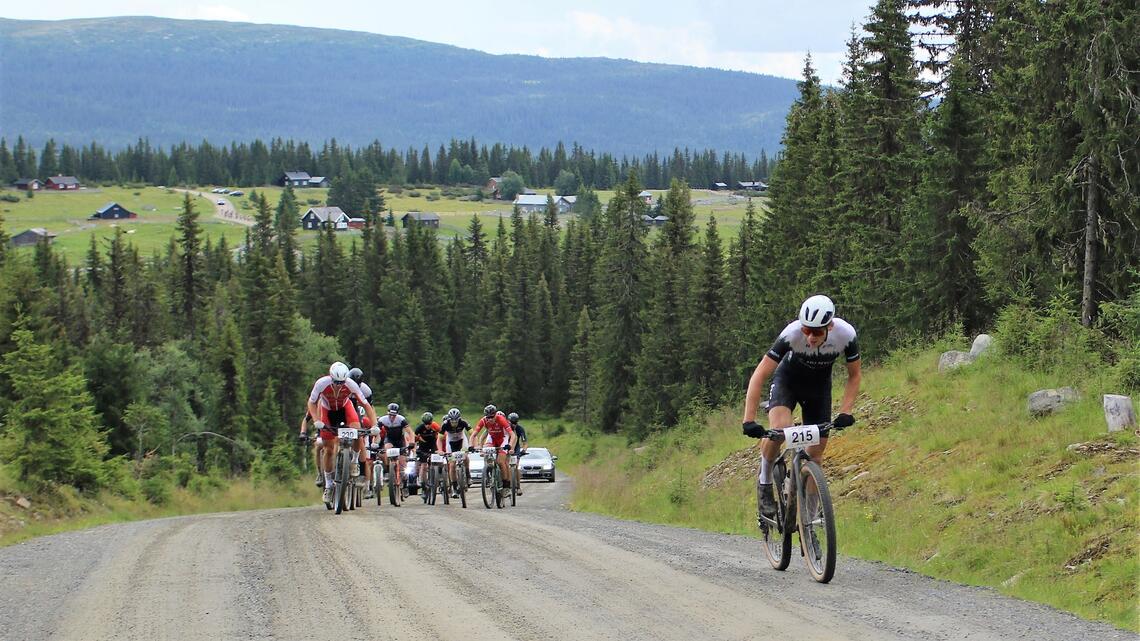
792, 351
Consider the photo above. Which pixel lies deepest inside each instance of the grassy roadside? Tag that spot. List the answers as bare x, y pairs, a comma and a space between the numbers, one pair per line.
68, 511
946, 475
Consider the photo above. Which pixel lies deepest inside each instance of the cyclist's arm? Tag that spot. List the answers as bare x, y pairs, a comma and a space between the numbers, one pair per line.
314, 411
851, 389
756, 386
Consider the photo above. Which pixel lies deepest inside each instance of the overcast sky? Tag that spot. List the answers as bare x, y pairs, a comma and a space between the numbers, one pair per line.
761, 36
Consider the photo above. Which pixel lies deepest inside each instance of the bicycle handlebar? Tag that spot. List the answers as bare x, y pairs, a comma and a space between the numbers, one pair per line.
777, 435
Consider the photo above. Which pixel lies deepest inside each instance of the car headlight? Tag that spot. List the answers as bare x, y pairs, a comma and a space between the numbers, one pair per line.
547, 466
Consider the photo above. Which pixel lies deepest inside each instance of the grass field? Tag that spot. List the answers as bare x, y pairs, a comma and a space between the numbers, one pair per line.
67, 214
944, 474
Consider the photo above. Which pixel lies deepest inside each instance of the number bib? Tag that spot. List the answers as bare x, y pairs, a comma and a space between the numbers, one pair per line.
346, 432
437, 458
393, 452
797, 438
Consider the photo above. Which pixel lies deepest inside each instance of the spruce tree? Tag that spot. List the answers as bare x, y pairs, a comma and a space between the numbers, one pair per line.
616, 338
51, 432
190, 283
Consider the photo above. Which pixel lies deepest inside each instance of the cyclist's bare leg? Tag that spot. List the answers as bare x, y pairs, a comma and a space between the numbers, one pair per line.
330, 451
779, 417
504, 469
318, 448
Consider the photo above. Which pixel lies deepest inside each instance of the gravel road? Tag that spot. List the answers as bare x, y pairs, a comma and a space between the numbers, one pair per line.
531, 572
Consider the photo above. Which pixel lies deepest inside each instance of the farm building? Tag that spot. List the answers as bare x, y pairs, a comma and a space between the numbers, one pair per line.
420, 218
31, 237
62, 182
322, 217
113, 211
24, 184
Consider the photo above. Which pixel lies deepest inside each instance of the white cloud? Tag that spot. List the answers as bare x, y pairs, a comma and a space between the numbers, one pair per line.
213, 12
693, 44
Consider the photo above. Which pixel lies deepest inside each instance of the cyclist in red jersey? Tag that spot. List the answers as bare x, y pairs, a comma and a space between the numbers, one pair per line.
330, 404
499, 433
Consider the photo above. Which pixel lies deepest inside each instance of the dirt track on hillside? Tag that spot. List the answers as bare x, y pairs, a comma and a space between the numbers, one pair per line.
535, 571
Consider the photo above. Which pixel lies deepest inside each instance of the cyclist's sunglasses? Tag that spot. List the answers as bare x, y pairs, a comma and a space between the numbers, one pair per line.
336, 382
814, 331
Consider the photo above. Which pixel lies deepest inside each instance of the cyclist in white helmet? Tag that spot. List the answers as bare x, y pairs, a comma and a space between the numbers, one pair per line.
332, 402
799, 364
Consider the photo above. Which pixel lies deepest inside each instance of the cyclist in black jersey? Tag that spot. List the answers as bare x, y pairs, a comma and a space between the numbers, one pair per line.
520, 439
799, 364
453, 438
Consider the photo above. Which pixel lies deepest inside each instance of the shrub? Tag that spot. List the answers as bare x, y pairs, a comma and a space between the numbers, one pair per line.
205, 484
156, 490
277, 465
414, 194
313, 201
10, 198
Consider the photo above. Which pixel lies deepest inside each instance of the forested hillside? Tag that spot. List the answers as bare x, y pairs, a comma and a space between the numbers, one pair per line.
176, 80
1015, 197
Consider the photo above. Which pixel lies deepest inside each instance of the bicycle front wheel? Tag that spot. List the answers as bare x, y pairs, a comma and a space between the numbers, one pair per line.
341, 481
498, 487
486, 487
461, 480
446, 487
394, 483
817, 523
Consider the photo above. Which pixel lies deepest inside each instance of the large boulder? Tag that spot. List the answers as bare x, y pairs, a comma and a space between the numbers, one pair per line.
1047, 401
1118, 413
953, 359
981, 344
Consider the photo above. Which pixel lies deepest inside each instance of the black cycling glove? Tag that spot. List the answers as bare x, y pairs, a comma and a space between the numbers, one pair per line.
752, 429
302, 438
843, 420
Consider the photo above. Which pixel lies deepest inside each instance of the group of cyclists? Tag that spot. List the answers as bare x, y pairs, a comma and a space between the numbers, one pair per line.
799, 365
335, 399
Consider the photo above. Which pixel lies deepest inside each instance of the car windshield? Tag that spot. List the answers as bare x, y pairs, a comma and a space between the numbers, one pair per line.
537, 452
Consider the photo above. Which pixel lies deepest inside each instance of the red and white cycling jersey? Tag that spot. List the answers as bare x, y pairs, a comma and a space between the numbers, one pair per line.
334, 397
498, 429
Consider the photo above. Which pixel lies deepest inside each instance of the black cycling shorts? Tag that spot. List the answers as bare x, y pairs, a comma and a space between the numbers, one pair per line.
813, 395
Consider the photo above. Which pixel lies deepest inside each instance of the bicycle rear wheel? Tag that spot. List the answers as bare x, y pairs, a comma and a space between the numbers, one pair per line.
777, 536
378, 481
817, 523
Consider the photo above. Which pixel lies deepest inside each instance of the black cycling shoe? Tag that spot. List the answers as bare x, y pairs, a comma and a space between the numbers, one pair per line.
768, 505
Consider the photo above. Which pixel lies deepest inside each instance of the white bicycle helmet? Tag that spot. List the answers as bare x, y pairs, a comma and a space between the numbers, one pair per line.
393, 409
817, 311
338, 371
453, 414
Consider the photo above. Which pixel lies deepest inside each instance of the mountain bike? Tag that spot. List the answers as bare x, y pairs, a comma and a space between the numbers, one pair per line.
513, 466
395, 487
439, 479
803, 503
345, 469
377, 473
459, 461
492, 478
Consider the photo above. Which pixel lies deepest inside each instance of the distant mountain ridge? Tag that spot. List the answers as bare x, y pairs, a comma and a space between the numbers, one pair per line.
114, 80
